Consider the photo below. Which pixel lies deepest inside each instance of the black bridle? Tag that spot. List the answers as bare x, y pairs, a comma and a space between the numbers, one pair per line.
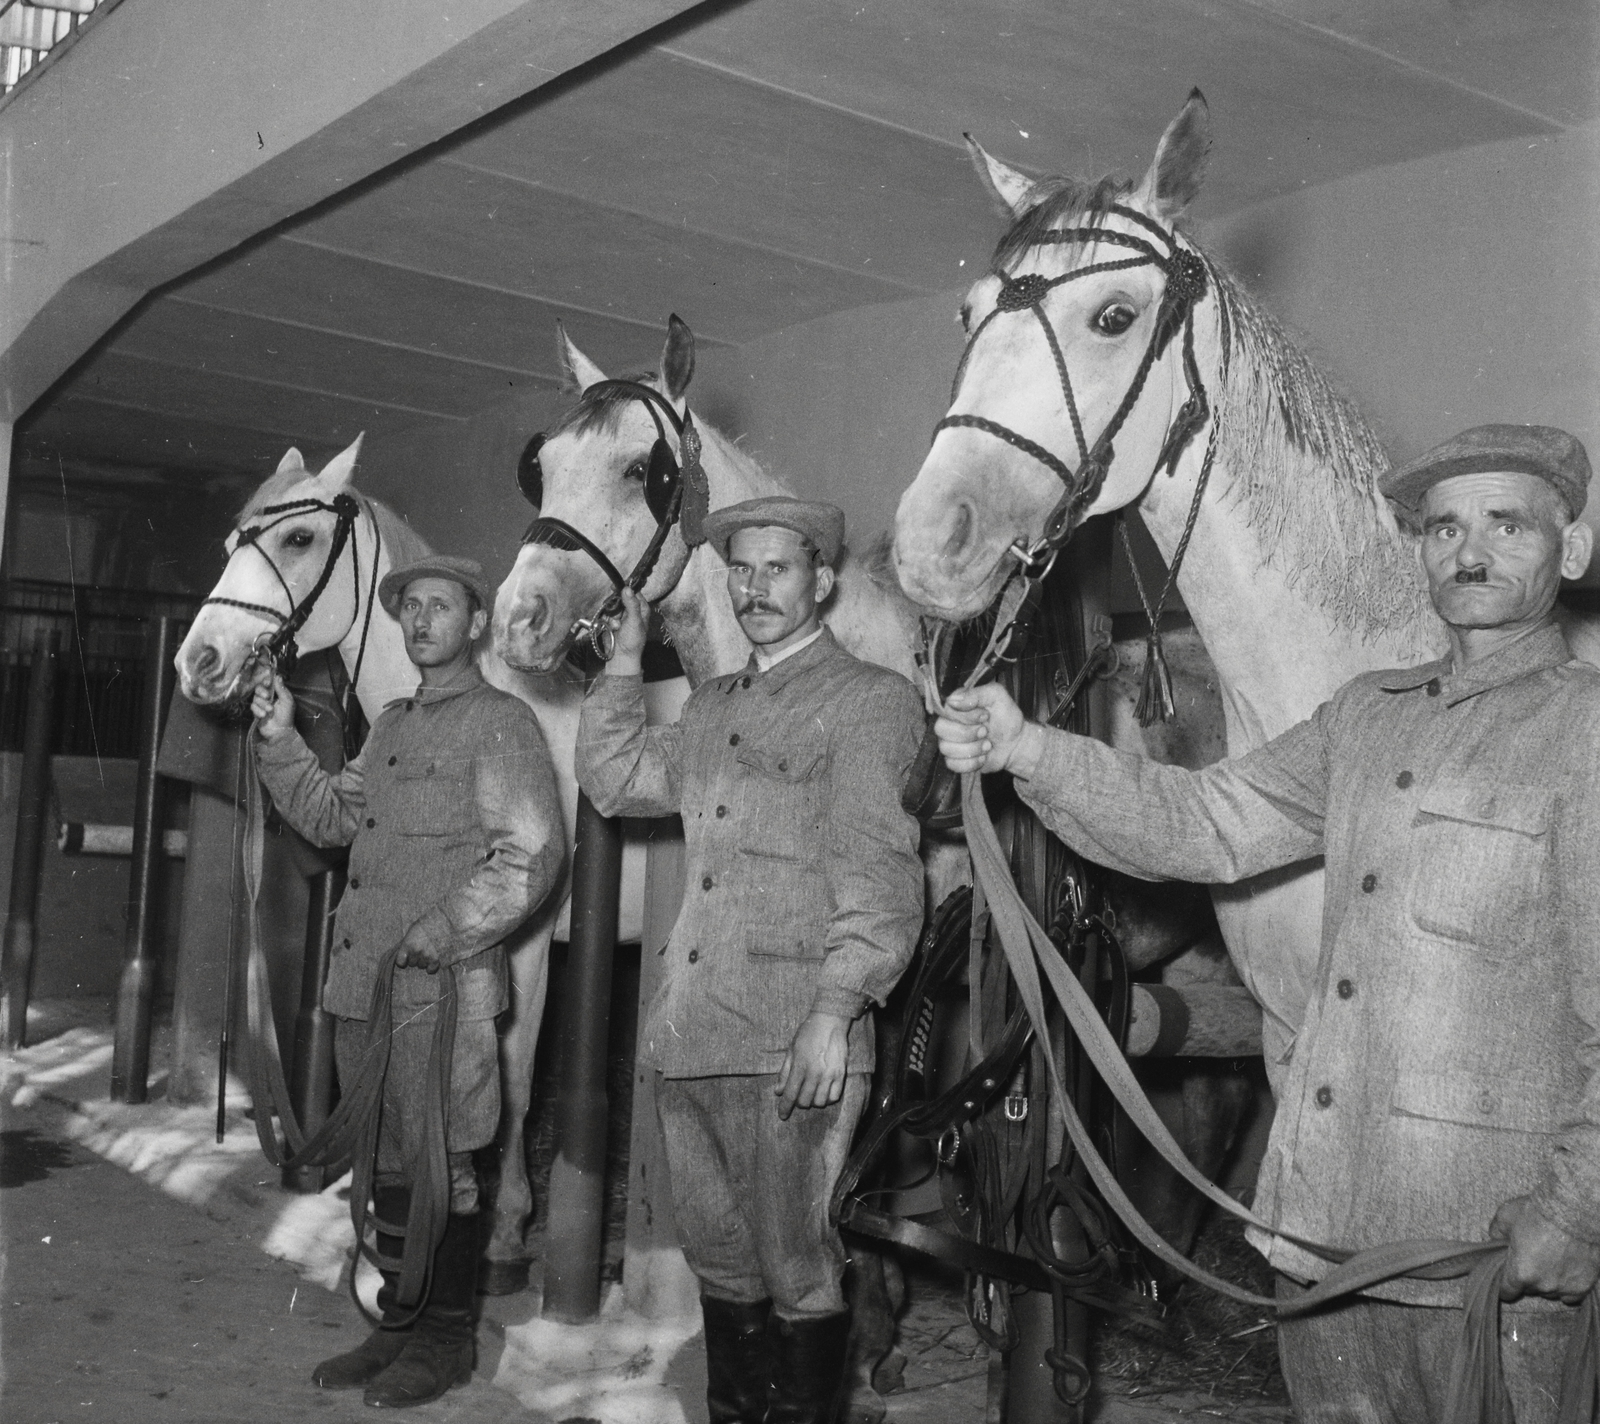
279, 648
667, 484
1188, 275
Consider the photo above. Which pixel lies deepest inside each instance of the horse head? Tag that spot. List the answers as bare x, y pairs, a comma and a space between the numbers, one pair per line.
615, 476
286, 547
1071, 389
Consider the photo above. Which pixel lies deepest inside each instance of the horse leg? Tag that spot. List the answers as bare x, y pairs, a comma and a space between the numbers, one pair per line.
875, 1288
506, 1259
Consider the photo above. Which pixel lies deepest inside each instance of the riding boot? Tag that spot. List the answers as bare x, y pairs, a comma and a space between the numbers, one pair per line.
738, 1360
809, 1358
355, 1367
442, 1347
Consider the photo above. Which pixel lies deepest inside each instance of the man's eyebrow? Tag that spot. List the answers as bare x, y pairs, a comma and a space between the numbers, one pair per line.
1518, 512
1448, 517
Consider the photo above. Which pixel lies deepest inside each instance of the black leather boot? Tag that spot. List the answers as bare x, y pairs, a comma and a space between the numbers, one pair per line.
809, 1358
442, 1347
738, 1360
355, 1367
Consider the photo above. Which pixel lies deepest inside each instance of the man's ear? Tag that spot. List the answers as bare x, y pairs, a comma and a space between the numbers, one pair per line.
1577, 548
480, 621
824, 582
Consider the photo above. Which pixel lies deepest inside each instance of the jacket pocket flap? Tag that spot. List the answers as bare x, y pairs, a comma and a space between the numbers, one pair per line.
1477, 1100
1511, 808
795, 762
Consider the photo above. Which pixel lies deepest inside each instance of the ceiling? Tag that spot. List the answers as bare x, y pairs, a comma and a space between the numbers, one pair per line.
758, 164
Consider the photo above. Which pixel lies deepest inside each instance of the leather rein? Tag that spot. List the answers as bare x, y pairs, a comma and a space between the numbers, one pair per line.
279, 648
600, 627
1188, 275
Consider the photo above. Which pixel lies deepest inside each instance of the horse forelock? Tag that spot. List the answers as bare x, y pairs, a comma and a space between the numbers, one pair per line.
600, 410
1304, 464
399, 539
1063, 202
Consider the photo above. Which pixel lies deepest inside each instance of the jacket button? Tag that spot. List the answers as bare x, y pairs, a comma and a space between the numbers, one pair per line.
393, 760
370, 823
744, 681
1487, 1103
346, 942
733, 741
1369, 883
721, 812
1404, 780
1324, 1096
694, 956
1433, 687
706, 883
410, 704
1346, 989
355, 882
783, 764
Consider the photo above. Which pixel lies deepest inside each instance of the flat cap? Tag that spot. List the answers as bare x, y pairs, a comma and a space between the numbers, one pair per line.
822, 524
466, 572
1542, 450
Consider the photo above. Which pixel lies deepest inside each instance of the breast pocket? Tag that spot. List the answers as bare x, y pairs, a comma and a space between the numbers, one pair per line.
431, 800
781, 798
1482, 858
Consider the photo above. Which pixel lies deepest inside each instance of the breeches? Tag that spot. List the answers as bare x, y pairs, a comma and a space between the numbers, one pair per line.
750, 1192
472, 1110
1378, 1362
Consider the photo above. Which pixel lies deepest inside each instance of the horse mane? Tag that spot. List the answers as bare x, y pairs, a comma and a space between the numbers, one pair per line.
1305, 465
1300, 456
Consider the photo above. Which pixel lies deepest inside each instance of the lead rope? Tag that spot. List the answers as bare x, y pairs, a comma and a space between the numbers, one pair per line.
1477, 1391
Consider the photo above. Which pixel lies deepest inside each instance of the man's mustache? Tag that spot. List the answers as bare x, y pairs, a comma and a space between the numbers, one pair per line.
1472, 575
757, 605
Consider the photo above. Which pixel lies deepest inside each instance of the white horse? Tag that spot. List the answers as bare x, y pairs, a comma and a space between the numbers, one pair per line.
217, 667
1296, 576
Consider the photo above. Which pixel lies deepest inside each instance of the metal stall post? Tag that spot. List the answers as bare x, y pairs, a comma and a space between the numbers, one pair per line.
311, 1075
33, 797
577, 1179
130, 1061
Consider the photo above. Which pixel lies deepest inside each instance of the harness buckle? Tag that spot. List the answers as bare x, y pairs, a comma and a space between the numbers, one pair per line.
1016, 1107
948, 1146
1036, 559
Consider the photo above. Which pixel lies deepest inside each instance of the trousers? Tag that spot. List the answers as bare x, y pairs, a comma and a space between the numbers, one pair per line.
1381, 1362
750, 1191
472, 1111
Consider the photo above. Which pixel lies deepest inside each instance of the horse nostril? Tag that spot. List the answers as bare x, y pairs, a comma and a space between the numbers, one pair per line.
960, 530
206, 660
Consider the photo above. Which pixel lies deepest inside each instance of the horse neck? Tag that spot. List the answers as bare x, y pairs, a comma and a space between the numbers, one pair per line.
385, 672
1289, 606
697, 613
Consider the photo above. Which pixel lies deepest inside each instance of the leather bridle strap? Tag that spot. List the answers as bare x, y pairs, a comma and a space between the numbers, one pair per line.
280, 648
558, 534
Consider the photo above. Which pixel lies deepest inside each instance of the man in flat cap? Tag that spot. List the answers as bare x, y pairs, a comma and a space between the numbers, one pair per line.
1443, 1083
802, 906
454, 827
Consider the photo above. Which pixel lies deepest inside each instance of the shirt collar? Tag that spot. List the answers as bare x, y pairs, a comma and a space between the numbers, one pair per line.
1545, 647
777, 677
766, 663
465, 681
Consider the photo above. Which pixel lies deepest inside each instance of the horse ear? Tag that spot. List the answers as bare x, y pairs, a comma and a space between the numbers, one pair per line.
292, 460
1173, 181
677, 358
577, 370
336, 473
1009, 188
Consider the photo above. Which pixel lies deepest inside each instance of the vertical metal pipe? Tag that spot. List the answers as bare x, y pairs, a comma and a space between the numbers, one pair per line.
130, 1060
577, 1179
33, 796
311, 1074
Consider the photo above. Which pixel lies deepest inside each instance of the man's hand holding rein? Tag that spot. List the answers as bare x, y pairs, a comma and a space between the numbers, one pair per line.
982, 729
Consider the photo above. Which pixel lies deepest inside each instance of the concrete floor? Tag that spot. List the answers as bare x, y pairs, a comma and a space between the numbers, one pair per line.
151, 1275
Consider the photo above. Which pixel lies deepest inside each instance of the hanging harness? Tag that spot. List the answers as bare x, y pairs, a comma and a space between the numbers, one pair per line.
674, 493
1188, 275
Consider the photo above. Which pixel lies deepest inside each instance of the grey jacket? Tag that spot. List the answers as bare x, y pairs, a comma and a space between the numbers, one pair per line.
1447, 1059
803, 889
454, 826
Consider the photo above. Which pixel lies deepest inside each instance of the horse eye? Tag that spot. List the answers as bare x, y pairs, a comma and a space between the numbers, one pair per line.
1114, 318
636, 471
298, 539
